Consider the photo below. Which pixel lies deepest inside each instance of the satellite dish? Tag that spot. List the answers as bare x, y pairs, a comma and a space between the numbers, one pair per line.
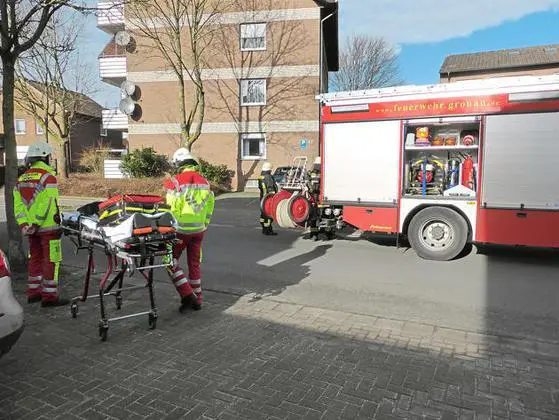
128, 88
127, 106
122, 38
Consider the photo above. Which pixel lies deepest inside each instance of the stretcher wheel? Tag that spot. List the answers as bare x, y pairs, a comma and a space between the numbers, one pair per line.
103, 331
266, 205
152, 320
118, 302
74, 309
278, 198
299, 208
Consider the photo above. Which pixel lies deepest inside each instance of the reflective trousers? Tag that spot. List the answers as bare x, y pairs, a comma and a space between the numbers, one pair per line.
192, 244
45, 255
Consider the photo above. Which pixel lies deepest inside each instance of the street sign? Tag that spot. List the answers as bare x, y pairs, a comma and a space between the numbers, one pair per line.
304, 143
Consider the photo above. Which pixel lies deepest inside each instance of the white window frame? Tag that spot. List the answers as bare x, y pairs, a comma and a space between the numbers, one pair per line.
254, 24
20, 133
261, 137
241, 90
38, 129
103, 132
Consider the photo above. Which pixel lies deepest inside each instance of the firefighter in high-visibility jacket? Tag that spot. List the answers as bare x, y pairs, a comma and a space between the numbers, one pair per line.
266, 185
192, 203
38, 215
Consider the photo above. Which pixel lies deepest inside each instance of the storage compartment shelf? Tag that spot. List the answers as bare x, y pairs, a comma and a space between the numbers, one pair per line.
441, 162
426, 148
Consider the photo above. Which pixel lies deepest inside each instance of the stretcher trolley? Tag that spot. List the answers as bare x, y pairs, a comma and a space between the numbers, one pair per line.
136, 233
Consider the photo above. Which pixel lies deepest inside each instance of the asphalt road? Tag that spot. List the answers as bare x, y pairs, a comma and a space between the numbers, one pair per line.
500, 292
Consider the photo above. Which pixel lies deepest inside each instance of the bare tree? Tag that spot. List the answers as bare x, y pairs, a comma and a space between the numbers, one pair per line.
52, 83
22, 23
162, 25
285, 42
367, 63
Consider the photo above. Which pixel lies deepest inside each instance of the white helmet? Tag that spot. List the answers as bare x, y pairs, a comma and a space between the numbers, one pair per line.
39, 150
267, 166
318, 160
182, 155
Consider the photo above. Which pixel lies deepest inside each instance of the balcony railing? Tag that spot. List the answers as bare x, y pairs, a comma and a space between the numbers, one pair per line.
110, 15
112, 63
114, 119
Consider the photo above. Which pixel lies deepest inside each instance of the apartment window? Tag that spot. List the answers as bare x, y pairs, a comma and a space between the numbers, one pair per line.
253, 36
253, 92
39, 130
253, 146
20, 126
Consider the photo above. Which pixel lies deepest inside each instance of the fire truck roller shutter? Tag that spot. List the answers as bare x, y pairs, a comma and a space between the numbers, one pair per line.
361, 162
519, 203
521, 161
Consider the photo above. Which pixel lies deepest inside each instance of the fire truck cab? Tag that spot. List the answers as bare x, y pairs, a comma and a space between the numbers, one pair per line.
446, 165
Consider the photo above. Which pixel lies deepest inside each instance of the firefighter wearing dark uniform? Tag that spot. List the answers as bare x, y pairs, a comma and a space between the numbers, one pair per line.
314, 180
266, 184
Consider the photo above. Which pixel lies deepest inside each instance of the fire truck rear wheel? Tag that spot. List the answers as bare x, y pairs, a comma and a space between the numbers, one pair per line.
438, 233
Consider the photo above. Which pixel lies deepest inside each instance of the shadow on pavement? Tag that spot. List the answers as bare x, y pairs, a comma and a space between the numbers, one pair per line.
522, 292
213, 365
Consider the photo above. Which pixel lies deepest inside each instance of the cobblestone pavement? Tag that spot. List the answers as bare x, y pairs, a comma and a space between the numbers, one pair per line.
255, 358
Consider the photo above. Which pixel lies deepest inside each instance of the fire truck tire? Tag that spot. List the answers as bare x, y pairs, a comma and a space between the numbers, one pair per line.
438, 233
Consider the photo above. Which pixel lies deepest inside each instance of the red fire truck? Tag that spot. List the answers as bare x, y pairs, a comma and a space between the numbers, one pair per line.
446, 165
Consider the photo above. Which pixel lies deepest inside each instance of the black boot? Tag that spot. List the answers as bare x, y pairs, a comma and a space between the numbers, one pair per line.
33, 299
189, 301
54, 303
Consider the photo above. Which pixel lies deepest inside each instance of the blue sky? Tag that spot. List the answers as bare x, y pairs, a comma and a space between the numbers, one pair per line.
425, 31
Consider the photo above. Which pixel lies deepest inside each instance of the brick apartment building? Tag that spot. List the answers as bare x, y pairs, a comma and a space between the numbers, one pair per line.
86, 128
532, 61
261, 75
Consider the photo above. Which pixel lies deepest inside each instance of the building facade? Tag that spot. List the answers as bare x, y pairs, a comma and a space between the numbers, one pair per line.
86, 130
531, 61
261, 72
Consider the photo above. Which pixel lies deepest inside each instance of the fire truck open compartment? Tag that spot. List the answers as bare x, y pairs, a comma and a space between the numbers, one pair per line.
443, 163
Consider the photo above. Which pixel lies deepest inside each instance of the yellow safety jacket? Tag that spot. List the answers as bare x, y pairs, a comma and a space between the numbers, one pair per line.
191, 200
36, 198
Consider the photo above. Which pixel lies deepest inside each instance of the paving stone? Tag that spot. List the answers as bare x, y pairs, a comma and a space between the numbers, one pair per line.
243, 359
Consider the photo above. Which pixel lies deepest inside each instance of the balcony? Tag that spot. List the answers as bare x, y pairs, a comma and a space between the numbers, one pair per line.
113, 119
112, 64
110, 16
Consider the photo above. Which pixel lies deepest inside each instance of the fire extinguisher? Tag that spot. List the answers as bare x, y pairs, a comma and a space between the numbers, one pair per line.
468, 173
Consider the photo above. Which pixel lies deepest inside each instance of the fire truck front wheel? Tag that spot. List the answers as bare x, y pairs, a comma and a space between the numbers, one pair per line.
438, 233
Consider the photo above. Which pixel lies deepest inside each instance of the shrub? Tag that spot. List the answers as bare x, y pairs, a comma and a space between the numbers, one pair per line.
92, 159
216, 174
144, 163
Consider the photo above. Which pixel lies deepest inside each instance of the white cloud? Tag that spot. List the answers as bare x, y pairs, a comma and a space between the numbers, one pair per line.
421, 21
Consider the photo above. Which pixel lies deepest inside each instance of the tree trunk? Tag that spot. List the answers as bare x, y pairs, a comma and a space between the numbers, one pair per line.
15, 248
182, 108
64, 158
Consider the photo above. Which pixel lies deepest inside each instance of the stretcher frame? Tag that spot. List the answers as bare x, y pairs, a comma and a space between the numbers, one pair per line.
127, 263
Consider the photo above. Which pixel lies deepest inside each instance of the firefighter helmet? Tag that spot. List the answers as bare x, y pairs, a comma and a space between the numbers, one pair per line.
318, 160
267, 166
40, 149
182, 155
